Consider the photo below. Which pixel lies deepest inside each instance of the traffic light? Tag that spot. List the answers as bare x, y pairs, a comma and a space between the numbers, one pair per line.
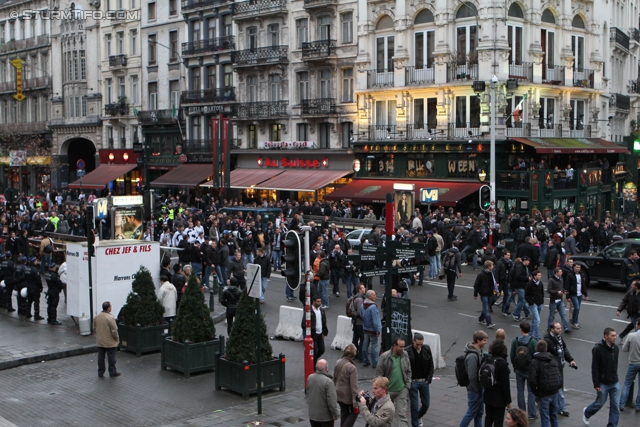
293, 259
485, 197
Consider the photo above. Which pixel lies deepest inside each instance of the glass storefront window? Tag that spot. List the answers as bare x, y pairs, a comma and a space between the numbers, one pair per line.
420, 165
463, 166
382, 165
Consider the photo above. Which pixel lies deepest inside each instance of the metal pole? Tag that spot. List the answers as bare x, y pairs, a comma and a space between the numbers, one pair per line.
492, 166
308, 342
89, 230
389, 213
259, 356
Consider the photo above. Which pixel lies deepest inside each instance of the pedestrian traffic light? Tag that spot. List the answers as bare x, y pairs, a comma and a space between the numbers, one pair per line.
485, 197
293, 259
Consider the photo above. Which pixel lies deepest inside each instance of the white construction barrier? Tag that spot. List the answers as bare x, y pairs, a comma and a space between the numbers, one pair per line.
289, 323
433, 340
344, 333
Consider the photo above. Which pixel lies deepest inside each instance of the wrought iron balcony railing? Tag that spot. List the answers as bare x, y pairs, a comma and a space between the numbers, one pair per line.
188, 5
424, 131
319, 3
417, 76
550, 130
622, 102
208, 95
216, 44
318, 49
462, 72
116, 109
248, 9
523, 71
519, 129
264, 110
583, 78
260, 56
159, 117
616, 35
319, 106
198, 150
577, 129
553, 74
380, 78
465, 130
117, 60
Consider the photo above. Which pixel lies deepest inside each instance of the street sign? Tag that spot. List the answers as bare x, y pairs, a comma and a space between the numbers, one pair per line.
429, 195
80, 164
81, 172
375, 273
370, 249
406, 249
102, 208
367, 257
254, 280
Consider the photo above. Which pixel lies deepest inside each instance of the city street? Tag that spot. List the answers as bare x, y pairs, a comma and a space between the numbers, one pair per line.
67, 391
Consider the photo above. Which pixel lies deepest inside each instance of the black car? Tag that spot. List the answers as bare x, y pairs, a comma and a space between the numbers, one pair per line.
605, 267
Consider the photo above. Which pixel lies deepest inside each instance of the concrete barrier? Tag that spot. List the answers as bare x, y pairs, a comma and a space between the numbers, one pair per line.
433, 340
289, 323
344, 333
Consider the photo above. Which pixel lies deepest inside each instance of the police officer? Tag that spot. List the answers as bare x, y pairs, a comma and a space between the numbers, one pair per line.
19, 282
6, 273
54, 287
34, 289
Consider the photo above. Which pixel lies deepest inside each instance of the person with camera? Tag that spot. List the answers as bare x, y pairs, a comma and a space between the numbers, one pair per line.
378, 410
558, 349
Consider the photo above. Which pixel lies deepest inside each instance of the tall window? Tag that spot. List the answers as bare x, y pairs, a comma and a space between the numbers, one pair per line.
577, 47
195, 127
76, 65
467, 111
302, 26
546, 113
384, 53
347, 27
109, 84
211, 77
303, 86
253, 136
424, 45
577, 115
152, 49
347, 134
195, 78
275, 132
324, 135
173, 7
252, 85
274, 34
324, 28
467, 40
302, 132
211, 28
252, 38
151, 8
347, 85
153, 96
108, 44
425, 113
386, 112
228, 75
274, 87
325, 84
120, 42
515, 44
2, 29
227, 23
84, 106
134, 42
174, 88
134, 90
83, 64
195, 31
173, 45
121, 87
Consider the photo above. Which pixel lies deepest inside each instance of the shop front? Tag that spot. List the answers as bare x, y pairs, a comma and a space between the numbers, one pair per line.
118, 174
278, 175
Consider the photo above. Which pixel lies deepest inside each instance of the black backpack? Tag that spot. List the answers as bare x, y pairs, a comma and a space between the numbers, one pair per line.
522, 359
462, 376
550, 376
449, 260
487, 371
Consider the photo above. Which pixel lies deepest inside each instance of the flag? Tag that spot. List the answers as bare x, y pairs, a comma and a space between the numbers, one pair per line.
135, 111
517, 112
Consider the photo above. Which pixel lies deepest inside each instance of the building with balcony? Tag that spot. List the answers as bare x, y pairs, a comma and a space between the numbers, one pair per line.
561, 97
295, 94
25, 90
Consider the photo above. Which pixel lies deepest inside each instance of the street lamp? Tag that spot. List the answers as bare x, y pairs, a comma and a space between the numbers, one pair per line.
492, 161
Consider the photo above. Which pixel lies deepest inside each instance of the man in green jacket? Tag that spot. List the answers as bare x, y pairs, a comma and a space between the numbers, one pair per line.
395, 365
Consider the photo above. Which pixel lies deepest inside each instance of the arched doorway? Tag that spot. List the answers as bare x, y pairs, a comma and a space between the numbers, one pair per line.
71, 151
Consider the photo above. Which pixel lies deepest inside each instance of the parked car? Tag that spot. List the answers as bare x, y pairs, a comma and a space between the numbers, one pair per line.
354, 236
605, 267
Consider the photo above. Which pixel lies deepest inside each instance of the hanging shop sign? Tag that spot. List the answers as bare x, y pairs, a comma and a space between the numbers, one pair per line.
286, 162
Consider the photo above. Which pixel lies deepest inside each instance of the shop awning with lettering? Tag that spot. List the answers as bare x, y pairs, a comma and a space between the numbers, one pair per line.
375, 190
572, 145
247, 177
188, 175
101, 176
302, 180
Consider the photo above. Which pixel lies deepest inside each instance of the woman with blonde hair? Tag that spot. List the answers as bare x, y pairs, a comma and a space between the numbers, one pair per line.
516, 418
345, 377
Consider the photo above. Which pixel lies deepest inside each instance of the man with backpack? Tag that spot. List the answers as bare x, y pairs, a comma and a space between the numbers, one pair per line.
451, 261
545, 379
523, 348
467, 367
354, 305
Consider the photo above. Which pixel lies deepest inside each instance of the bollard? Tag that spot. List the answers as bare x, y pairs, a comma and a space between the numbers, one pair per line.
211, 304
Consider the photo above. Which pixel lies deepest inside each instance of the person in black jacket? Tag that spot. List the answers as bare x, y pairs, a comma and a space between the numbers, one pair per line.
265, 271
422, 367
558, 349
178, 280
576, 285
534, 295
519, 280
485, 285
54, 287
604, 374
630, 302
7, 270
527, 250
34, 289
498, 397
236, 269
501, 273
319, 330
543, 370
230, 297
630, 269
337, 264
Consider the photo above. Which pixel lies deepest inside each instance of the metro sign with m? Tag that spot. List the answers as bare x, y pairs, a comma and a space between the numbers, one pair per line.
429, 195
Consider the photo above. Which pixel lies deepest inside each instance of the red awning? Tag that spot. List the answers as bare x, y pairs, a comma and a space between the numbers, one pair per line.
301, 180
247, 178
572, 145
101, 176
375, 191
188, 175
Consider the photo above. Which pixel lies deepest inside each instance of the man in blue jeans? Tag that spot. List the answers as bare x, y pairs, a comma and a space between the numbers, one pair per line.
475, 404
604, 373
546, 383
372, 327
521, 277
486, 286
632, 345
522, 369
422, 367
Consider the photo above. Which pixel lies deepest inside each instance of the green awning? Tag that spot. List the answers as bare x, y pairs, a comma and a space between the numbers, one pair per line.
572, 145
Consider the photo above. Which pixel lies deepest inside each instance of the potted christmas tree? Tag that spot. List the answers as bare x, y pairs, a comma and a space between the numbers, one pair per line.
140, 324
237, 370
192, 346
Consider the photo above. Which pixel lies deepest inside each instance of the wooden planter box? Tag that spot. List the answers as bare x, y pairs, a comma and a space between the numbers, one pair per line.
140, 339
243, 378
190, 358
